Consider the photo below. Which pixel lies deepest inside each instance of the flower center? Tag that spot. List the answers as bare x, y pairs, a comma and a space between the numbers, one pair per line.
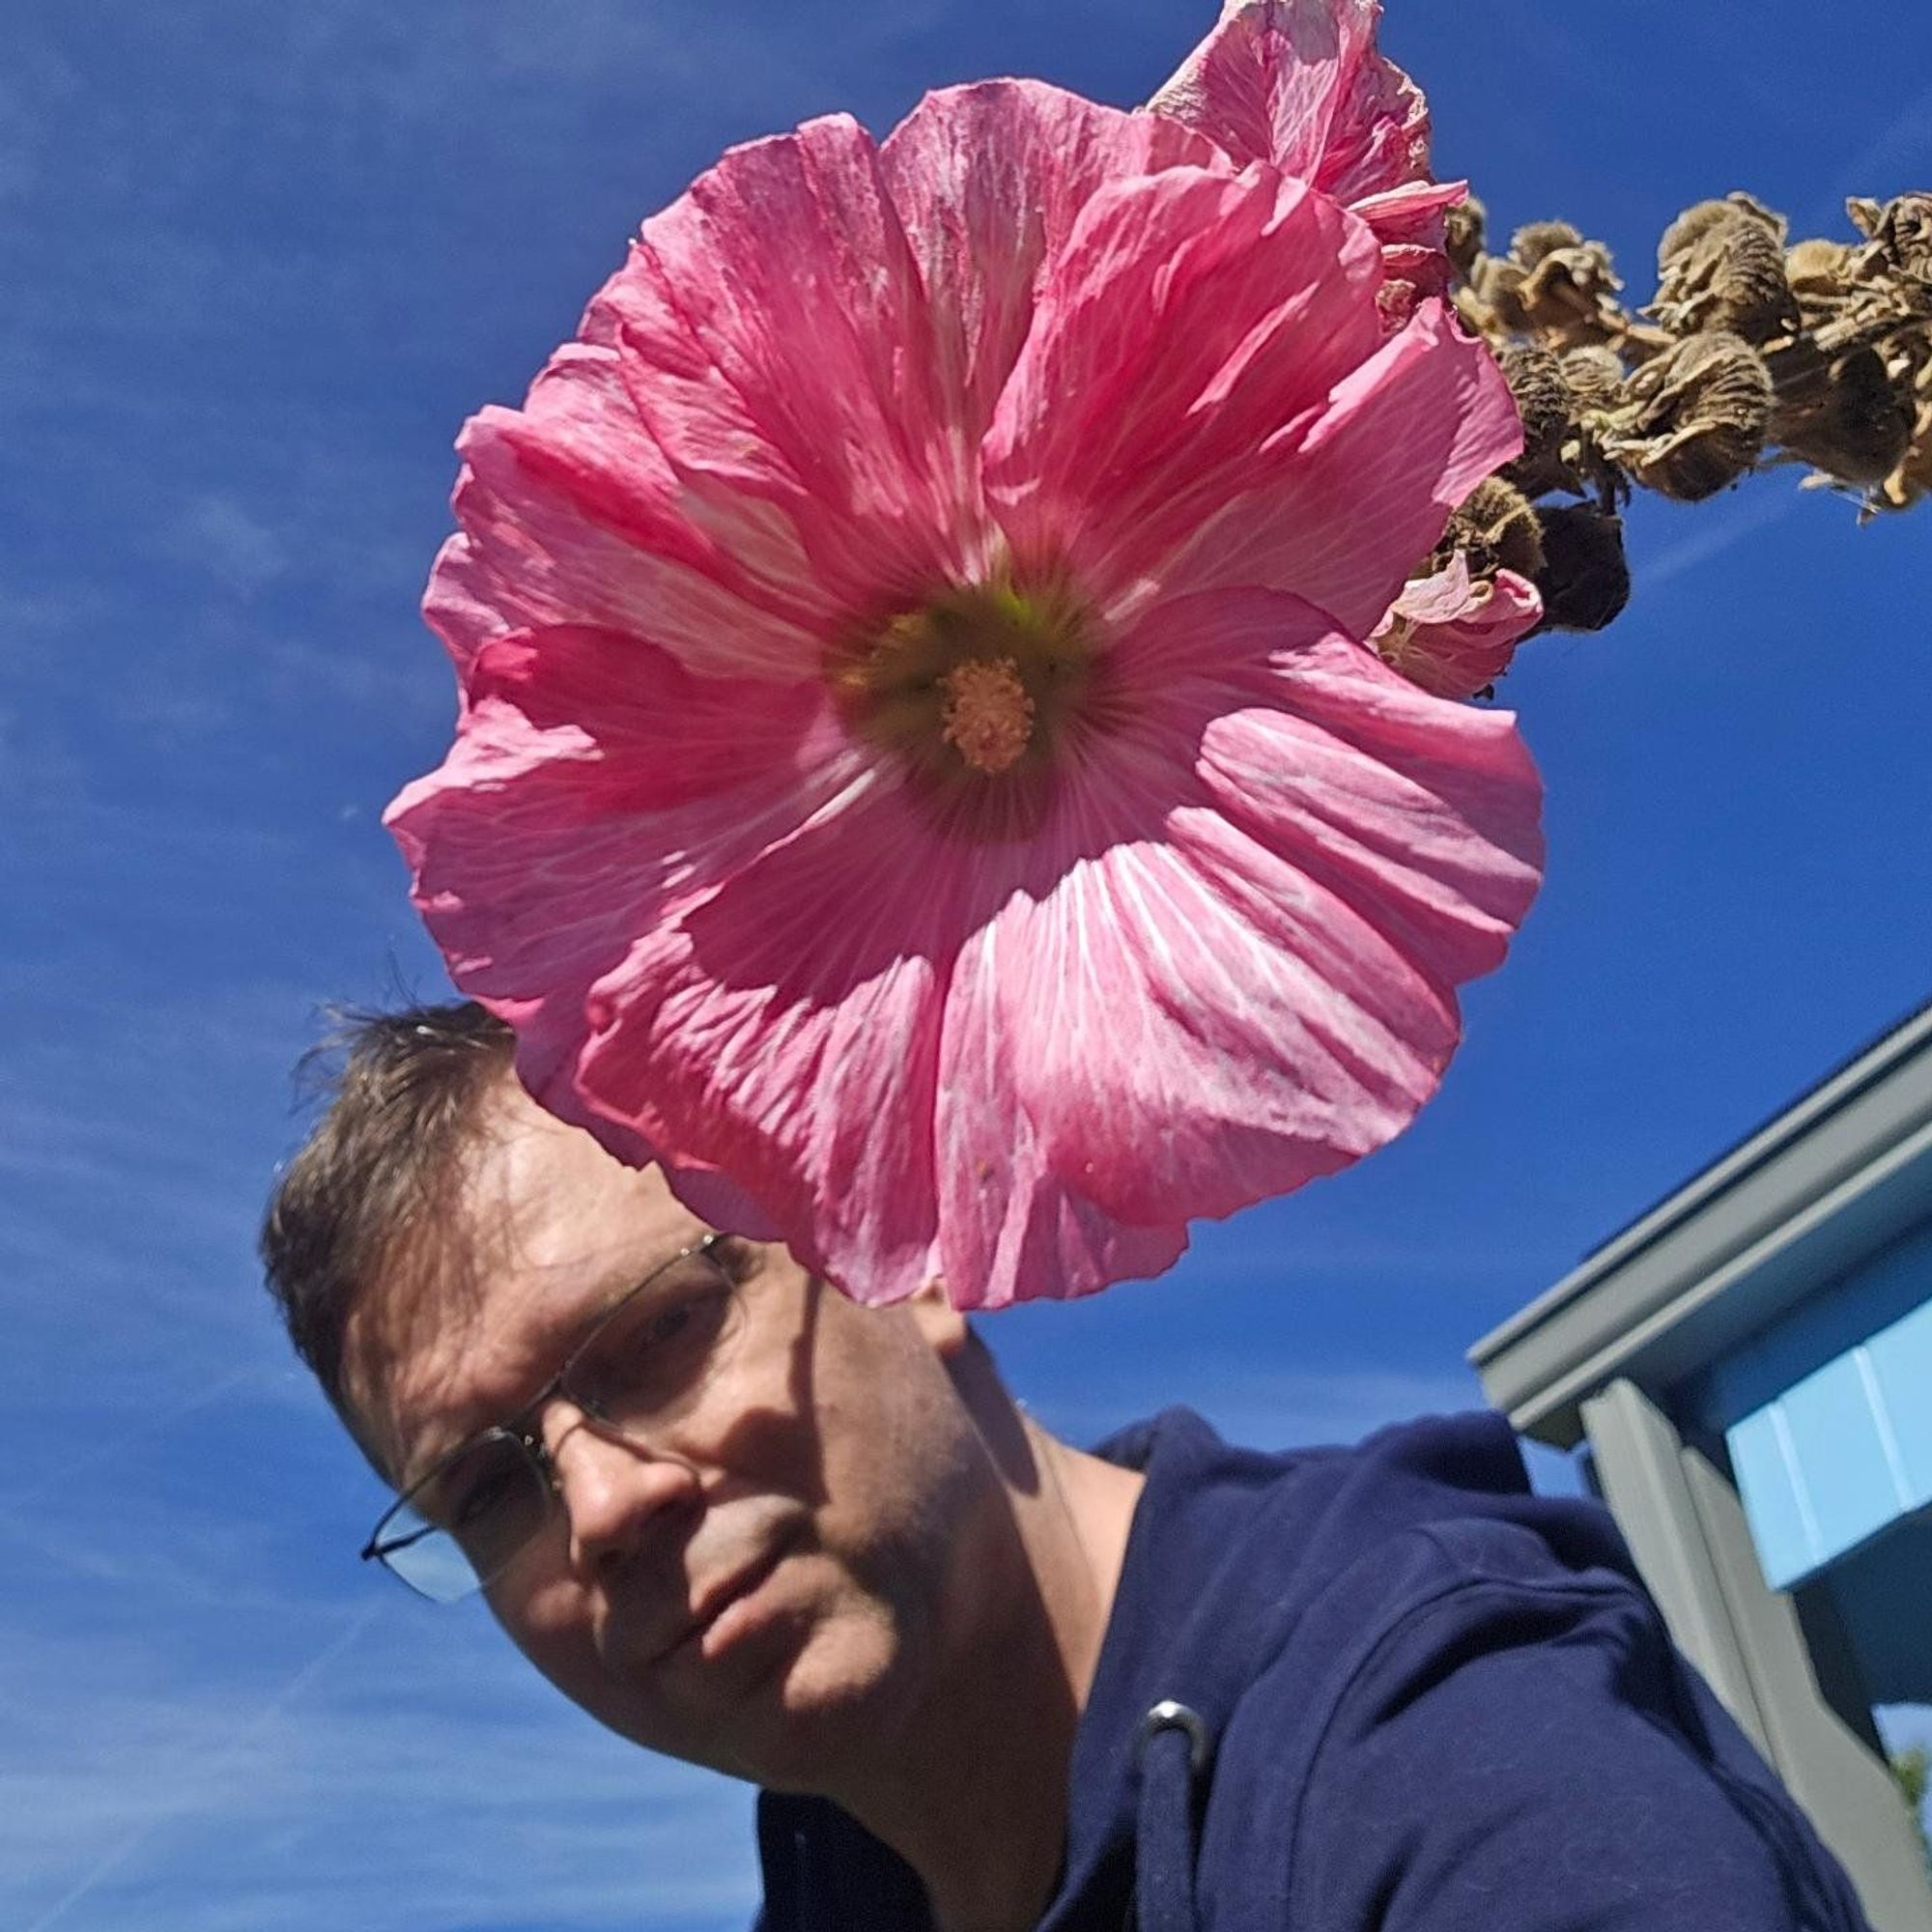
976, 683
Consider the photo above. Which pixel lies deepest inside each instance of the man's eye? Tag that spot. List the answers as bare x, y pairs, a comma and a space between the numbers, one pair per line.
663, 1325
652, 1351
487, 1495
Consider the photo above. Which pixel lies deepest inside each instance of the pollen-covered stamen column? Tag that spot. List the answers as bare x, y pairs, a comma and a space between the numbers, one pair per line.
975, 680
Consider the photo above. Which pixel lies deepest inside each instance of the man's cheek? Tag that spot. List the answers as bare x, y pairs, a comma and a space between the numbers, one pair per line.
549, 1623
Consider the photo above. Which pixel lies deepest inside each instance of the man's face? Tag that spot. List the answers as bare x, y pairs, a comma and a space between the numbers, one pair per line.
782, 1577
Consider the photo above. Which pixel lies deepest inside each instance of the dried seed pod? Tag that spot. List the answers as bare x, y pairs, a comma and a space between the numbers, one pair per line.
1854, 425
1689, 229
1693, 419
1585, 576
1497, 285
1463, 234
1570, 288
1901, 237
1496, 529
1475, 314
1818, 272
1595, 377
1913, 478
1547, 409
1865, 213
1529, 244
1572, 293
1721, 266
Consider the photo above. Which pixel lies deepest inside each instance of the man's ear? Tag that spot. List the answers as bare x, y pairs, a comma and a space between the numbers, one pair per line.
942, 1324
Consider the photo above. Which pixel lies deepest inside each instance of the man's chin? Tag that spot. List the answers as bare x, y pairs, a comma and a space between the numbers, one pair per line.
787, 1708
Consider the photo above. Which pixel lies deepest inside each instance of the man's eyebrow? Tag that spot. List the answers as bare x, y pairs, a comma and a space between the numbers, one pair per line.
609, 1278
603, 1279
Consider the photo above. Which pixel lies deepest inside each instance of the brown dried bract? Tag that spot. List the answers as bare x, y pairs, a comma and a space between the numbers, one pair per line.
1694, 418
1845, 417
1496, 529
1755, 350
1900, 232
1721, 266
1570, 285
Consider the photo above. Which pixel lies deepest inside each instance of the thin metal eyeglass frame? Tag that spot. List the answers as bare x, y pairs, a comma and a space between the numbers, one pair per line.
515, 1429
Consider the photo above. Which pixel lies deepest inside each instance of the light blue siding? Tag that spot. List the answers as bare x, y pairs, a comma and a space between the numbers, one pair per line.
1828, 1415
1773, 1488
1904, 1371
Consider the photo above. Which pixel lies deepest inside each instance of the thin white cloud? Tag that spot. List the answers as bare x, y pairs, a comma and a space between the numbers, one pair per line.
214, 532
1888, 164
180, 1798
37, 85
1724, 530
540, 1818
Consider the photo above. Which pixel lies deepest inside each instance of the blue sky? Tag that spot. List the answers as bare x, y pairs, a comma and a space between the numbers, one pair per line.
259, 262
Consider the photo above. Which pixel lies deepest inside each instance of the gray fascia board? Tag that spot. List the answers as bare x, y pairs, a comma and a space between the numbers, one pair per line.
1826, 1184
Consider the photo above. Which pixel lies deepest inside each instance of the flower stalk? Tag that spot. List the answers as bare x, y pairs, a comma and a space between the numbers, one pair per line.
1755, 352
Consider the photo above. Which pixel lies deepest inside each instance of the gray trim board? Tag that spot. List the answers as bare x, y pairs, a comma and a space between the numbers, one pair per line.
1817, 1191
1687, 1531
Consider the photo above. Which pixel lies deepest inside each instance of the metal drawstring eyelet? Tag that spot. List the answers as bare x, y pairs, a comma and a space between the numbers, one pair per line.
1169, 1716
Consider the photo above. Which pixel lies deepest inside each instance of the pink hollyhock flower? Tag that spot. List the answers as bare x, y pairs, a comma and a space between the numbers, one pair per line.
920, 777
1300, 83
1455, 634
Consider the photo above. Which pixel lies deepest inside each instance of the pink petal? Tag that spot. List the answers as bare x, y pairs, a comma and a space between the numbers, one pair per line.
988, 181
1378, 141
1338, 513
774, 335
571, 516
1270, 79
1408, 222
1455, 636
1188, 318
1299, 83
1424, 817
784, 1031
1250, 983
1221, 964
789, 1030
594, 786
1411, 211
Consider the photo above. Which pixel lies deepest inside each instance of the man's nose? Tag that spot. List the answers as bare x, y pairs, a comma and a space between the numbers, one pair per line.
616, 1494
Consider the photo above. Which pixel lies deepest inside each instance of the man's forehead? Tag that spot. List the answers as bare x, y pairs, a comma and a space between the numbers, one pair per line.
540, 1228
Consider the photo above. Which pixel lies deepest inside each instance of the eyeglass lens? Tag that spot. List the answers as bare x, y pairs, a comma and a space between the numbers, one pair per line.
639, 1369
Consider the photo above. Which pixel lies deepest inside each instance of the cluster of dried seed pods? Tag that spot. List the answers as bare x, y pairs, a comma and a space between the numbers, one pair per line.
1753, 352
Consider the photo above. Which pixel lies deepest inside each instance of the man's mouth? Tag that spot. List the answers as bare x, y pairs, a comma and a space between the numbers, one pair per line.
689, 1638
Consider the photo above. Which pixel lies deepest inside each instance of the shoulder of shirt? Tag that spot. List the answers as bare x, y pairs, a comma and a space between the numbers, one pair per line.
1485, 1584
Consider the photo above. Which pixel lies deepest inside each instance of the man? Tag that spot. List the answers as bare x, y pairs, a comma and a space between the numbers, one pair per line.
985, 1680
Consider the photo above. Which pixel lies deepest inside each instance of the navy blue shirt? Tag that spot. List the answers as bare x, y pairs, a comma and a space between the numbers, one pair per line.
1432, 1703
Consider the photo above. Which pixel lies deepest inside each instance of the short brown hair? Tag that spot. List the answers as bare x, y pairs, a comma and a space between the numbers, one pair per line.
383, 1160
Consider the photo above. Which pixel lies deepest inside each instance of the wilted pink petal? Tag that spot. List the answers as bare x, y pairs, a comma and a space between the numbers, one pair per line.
1455, 634
1299, 83
1376, 150
922, 778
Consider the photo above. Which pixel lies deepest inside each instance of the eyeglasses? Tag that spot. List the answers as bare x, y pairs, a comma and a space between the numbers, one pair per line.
641, 1366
